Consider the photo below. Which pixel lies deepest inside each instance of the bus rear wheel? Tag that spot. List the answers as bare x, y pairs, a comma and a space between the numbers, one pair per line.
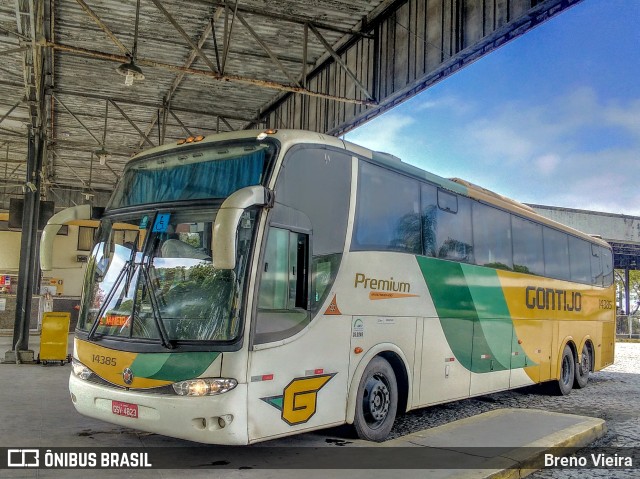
567, 372
583, 366
377, 401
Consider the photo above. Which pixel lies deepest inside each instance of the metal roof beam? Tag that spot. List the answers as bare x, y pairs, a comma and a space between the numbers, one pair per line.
213, 75
15, 50
180, 123
228, 30
7, 131
184, 35
340, 62
76, 118
268, 51
68, 166
126, 117
14, 34
104, 27
226, 123
299, 19
190, 59
70, 145
10, 110
131, 101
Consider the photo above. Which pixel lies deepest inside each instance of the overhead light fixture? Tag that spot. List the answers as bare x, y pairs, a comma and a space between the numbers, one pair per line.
103, 155
130, 70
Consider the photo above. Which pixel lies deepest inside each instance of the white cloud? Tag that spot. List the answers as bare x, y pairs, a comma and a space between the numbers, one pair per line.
389, 133
627, 116
451, 103
497, 141
547, 164
576, 150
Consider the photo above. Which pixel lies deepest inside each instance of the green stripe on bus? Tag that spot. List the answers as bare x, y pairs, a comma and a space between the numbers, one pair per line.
172, 366
453, 303
473, 313
493, 314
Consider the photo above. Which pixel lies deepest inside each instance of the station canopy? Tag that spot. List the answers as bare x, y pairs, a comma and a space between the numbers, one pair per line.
105, 79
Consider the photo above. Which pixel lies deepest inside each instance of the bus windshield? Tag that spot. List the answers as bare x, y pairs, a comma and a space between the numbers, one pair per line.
209, 171
151, 277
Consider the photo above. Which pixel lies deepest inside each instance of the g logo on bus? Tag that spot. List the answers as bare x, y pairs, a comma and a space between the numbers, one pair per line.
299, 398
127, 375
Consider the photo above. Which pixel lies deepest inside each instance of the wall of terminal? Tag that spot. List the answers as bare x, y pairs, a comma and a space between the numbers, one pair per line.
65, 259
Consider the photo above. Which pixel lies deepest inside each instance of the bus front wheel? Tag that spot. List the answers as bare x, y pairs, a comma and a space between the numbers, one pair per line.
377, 401
583, 366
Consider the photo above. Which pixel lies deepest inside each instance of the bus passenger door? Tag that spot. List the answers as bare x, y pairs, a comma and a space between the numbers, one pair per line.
445, 375
297, 376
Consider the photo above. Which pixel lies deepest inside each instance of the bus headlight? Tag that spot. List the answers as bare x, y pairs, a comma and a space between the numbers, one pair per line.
204, 386
80, 370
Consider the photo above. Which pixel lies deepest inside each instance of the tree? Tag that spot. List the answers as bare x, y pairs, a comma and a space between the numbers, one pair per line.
634, 290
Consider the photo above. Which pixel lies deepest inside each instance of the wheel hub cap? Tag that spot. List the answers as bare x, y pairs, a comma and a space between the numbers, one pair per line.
378, 400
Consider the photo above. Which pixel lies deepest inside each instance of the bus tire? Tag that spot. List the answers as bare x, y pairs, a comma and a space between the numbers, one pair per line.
583, 366
567, 372
376, 401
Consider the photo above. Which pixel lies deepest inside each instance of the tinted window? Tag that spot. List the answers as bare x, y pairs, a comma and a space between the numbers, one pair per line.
607, 266
580, 260
491, 237
447, 201
213, 170
429, 207
527, 246
313, 193
388, 213
453, 233
556, 254
282, 300
596, 266
317, 182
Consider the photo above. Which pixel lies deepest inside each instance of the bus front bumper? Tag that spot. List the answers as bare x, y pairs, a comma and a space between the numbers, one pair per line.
219, 419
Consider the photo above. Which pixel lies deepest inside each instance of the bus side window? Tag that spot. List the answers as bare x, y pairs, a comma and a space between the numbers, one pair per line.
283, 294
607, 266
323, 272
454, 239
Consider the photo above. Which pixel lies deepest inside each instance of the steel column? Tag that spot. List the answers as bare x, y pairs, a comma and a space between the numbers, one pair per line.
28, 272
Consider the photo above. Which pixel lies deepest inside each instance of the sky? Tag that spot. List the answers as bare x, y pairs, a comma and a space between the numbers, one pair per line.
551, 118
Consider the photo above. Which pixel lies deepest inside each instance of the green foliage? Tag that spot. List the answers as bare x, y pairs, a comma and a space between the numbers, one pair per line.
634, 289
498, 265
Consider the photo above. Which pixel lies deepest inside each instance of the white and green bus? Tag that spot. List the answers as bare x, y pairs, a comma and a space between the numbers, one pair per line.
252, 285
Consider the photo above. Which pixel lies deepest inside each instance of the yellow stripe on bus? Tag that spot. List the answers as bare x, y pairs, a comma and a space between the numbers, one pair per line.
109, 364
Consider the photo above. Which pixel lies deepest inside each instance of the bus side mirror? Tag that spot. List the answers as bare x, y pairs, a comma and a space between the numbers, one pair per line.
226, 225
82, 212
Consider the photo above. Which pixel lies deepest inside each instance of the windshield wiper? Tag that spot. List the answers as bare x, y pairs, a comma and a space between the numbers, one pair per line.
129, 266
106, 302
128, 271
164, 337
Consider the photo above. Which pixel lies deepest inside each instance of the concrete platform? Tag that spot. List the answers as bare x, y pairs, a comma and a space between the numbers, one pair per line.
506, 443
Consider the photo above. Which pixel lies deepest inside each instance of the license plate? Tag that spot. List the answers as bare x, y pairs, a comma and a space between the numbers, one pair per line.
124, 409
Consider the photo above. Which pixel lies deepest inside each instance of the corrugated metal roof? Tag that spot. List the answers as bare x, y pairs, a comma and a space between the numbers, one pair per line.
81, 84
